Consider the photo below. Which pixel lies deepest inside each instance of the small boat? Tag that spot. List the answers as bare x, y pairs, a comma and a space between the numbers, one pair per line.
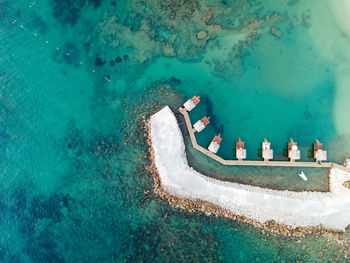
302, 176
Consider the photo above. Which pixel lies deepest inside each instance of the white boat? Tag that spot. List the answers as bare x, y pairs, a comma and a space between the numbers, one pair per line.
302, 176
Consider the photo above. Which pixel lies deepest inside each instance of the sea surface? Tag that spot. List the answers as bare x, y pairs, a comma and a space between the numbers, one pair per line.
76, 79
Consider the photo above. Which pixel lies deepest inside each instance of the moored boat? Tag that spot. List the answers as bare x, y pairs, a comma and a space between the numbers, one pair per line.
302, 176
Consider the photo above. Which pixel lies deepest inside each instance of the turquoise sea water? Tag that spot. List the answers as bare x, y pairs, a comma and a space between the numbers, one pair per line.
76, 77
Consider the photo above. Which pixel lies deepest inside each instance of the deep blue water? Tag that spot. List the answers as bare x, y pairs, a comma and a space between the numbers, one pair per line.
76, 78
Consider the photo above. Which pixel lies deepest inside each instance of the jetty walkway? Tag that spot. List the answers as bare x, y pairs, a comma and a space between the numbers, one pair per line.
195, 145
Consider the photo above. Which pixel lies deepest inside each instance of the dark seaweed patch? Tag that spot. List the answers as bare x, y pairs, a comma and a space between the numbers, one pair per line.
99, 62
174, 81
4, 136
41, 207
3, 205
42, 248
27, 227
40, 245
14, 259
149, 242
74, 138
118, 59
67, 12
20, 202
2, 253
95, 3
97, 147
6, 256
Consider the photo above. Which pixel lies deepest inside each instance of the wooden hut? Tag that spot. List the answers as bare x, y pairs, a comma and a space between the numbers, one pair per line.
241, 153
319, 153
215, 144
293, 151
267, 152
200, 124
191, 103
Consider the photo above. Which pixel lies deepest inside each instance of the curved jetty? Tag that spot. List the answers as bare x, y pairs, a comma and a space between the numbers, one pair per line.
328, 210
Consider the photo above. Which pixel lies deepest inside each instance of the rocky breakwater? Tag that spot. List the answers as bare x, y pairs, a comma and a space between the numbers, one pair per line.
192, 203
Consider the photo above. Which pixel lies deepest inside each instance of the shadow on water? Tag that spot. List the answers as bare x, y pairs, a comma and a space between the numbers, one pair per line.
218, 128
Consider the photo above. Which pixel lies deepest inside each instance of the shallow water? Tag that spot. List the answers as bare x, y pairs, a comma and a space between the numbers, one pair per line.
76, 79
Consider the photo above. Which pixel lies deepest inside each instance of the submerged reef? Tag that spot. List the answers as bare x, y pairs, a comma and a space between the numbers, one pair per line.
182, 28
221, 34
67, 12
151, 242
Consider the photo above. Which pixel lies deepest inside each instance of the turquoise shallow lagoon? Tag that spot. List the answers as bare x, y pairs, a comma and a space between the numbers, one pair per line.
76, 78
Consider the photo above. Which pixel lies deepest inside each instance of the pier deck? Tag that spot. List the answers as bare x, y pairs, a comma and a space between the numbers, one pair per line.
195, 145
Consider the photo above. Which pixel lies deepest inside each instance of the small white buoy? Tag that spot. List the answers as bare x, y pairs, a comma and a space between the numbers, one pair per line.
35, 34
57, 48
21, 26
47, 42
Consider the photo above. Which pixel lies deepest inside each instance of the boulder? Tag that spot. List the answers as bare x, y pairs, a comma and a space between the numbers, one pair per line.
276, 32
202, 35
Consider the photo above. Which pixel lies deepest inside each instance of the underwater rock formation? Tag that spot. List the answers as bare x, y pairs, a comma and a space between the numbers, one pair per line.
180, 28
99, 62
276, 32
202, 34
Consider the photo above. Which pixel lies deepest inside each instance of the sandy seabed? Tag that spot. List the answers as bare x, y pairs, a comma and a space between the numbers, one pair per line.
285, 212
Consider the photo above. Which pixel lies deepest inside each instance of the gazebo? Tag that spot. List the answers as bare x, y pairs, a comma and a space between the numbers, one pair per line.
191, 103
267, 152
241, 153
200, 124
319, 153
293, 151
215, 144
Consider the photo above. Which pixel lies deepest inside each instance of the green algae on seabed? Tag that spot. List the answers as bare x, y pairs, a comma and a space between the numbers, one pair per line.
74, 187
